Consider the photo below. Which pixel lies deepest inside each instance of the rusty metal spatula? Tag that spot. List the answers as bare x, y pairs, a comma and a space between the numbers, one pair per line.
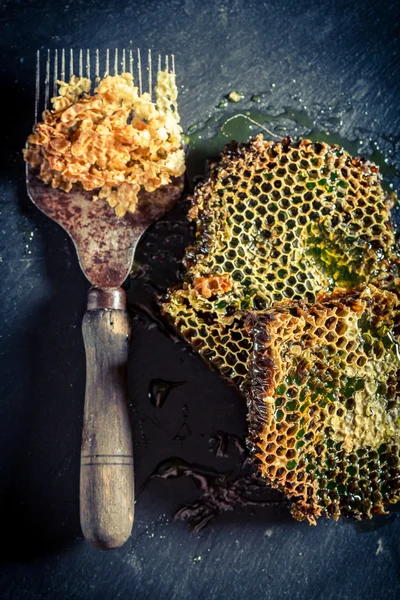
105, 245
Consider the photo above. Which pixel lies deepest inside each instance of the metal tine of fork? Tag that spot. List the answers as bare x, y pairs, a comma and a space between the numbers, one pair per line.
123, 61
71, 62
131, 61
116, 62
88, 65
107, 62
55, 76
37, 86
173, 63
80, 62
47, 81
159, 63
63, 65
139, 68
167, 63
150, 72
97, 71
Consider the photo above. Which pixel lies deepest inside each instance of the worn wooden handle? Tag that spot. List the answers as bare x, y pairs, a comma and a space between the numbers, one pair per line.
106, 482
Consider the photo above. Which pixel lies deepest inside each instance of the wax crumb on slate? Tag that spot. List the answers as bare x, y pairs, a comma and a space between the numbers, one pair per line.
197, 559
379, 549
268, 532
234, 97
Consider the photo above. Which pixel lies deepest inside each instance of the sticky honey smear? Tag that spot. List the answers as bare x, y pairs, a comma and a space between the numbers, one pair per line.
324, 402
278, 221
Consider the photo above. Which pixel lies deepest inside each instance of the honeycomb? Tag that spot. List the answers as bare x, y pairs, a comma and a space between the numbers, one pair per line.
324, 402
278, 221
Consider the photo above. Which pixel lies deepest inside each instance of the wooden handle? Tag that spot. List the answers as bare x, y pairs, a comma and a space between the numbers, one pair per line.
106, 481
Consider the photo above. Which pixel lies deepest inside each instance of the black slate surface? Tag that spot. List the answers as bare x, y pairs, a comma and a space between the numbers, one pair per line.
318, 54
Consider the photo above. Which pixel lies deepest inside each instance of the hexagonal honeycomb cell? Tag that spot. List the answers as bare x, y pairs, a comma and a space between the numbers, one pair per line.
278, 221
324, 402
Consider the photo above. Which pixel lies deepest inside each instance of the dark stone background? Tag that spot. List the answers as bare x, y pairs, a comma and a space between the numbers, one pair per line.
318, 51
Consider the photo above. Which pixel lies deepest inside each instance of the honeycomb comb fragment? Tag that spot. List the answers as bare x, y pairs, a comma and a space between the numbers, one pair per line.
278, 221
324, 402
